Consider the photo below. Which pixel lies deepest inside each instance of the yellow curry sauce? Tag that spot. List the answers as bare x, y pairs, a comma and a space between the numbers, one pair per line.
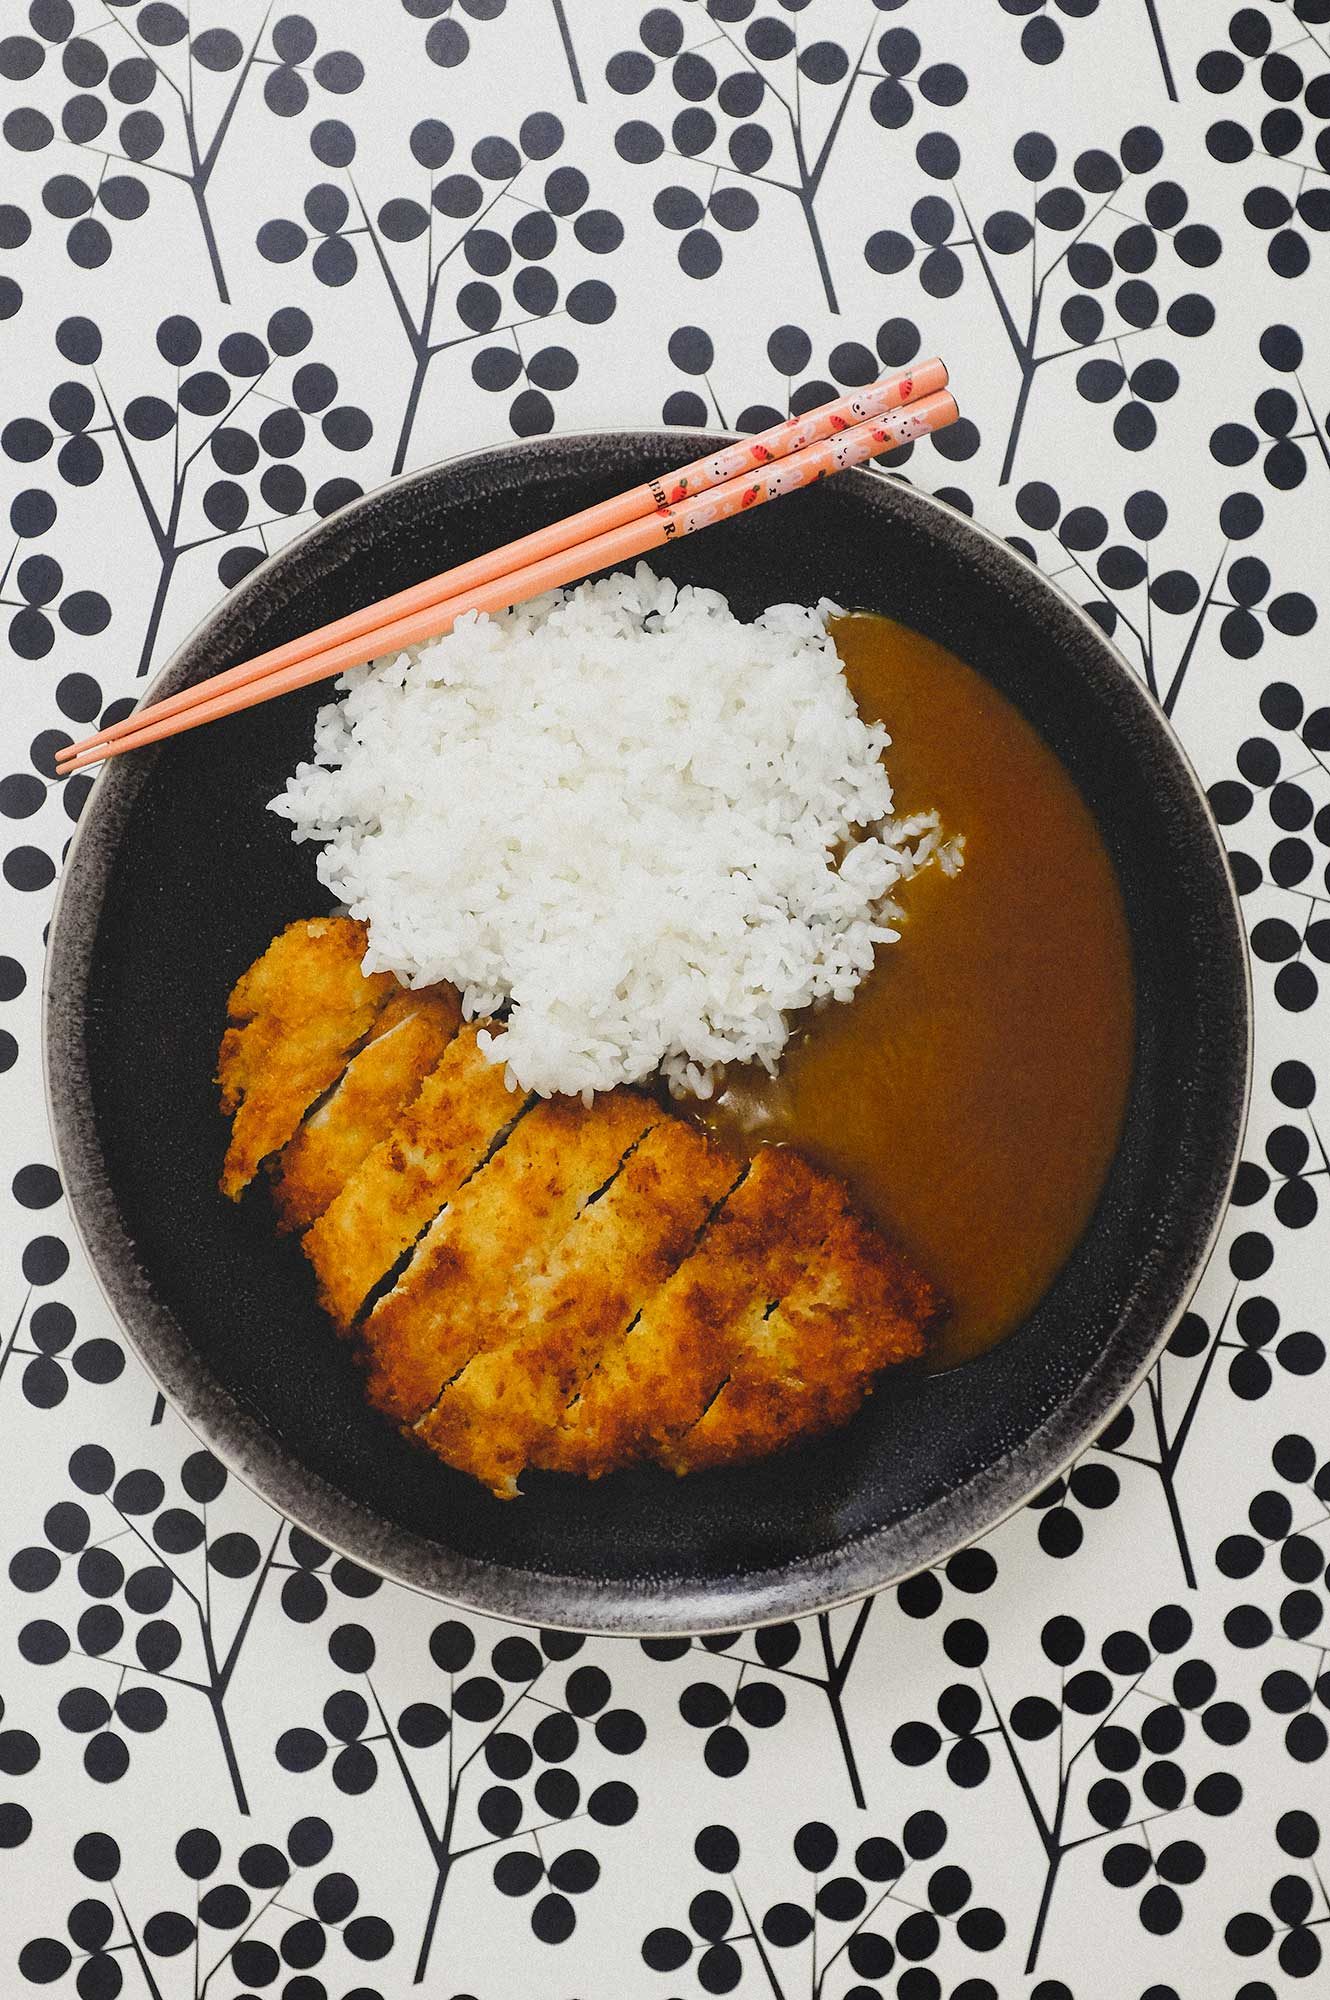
972, 1094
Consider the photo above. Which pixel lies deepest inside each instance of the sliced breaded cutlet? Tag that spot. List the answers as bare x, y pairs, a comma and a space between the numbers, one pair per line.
499, 1414
405, 1042
808, 1365
494, 1237
295, 1018
461, 1110
655, 1383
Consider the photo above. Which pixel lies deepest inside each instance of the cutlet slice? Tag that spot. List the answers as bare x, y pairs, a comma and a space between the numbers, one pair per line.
503, 1409
495, 1236
461, 1110
658, 1380
295, 1016
404, 1044
809, 1364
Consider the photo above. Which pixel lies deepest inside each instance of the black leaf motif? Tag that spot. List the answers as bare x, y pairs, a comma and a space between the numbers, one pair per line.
463, 1756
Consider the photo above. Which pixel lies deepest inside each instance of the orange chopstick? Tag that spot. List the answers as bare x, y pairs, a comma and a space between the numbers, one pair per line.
640, 501
666, 523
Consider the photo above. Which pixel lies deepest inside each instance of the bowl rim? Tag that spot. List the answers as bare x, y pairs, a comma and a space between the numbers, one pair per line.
654, 1608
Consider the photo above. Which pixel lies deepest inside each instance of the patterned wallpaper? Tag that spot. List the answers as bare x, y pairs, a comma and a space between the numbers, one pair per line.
251, 264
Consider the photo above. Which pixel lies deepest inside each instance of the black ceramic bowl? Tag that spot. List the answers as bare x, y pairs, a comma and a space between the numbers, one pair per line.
178, 877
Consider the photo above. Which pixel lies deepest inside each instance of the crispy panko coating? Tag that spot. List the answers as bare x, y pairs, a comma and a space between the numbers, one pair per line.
657, 1382
295, 1016
503, 1409
404, 1044
577, 1288
809, 1365
461, 1109
496, 1234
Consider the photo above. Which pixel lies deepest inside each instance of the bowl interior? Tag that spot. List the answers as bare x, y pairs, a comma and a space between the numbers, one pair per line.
179, 878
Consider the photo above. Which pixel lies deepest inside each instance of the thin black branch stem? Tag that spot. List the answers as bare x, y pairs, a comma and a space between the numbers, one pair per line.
457, 244
120, 22
133, 1667
217, 1703
1147, 660
255, 1918
1042, 1826
247, 1616
411, 409
154, 1990
209, 160
164, 578
1021, 344
1104, 1720
199, 191
140, 166
1072, 241
834, 1683
731, 172
499, 1721
888, 1895
824, 152
1198, 1389
768, 85
413, 1791
444, 1867
852, 1647
805, 191
1045, 1904
570, 53
1317, 432
144, 497
1166, 1481
1180, 675
155, 1553
777, 1991
13, 1334
1156, 29
225, 418
415, 335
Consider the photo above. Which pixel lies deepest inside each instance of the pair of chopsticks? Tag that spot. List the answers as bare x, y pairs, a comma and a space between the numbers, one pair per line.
840, 434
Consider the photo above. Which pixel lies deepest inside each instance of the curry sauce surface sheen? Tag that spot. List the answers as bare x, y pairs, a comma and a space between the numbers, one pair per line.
972, 1093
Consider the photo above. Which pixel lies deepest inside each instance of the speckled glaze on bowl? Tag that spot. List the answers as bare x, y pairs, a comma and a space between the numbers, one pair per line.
177, 878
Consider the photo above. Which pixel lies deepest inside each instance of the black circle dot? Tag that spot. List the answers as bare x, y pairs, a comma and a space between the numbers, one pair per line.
351, 1648
1298, 1834
45, 1259
1293, 1084
700, 254
1296, 988
309, 1841
43, 1960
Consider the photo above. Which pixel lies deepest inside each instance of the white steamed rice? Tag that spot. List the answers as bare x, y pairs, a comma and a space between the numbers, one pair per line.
654, 831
